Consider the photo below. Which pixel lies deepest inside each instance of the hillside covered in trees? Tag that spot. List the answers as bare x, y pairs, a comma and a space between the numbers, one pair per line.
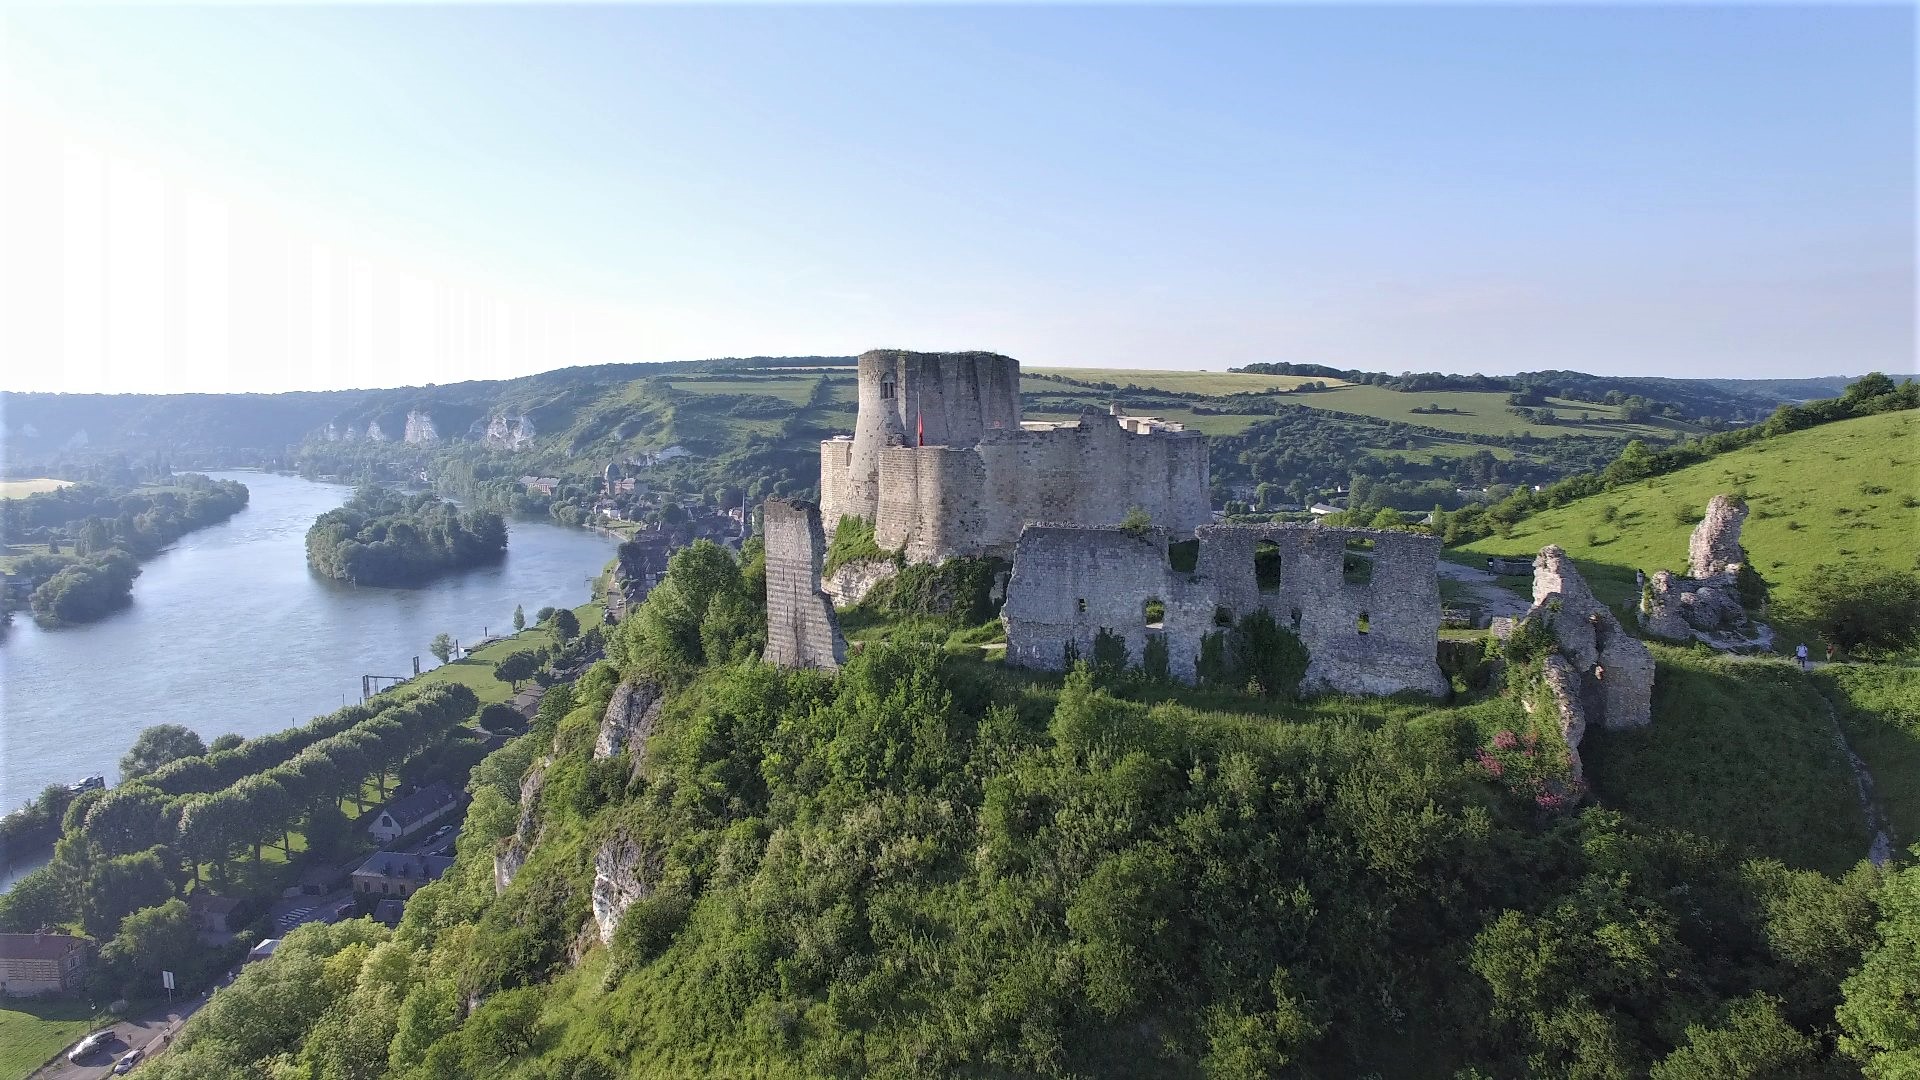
929, 864
382, 537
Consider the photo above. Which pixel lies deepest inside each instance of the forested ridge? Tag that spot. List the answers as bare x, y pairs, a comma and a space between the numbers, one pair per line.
84, 542
928, 865
382, 537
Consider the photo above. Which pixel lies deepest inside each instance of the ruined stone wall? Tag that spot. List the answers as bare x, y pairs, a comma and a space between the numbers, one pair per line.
1715, 544
801, 628
836, 460
1068, 583
937, 502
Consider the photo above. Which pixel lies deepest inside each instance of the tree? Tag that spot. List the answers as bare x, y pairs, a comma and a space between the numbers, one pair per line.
228, 741
158, 745
1880, 1023
150, 941
516, 668
115, 888
519, 618
441, 647
1857, 606
541, 616
566, 626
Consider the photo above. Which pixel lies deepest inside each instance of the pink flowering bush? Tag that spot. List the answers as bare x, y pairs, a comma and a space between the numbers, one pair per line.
1515, 763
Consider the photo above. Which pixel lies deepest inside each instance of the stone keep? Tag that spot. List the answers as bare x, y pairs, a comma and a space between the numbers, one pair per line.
1071, 582
802, 630
943, 465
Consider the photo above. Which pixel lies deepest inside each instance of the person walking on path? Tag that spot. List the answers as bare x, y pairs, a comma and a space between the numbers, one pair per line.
1829, 652
1800, 655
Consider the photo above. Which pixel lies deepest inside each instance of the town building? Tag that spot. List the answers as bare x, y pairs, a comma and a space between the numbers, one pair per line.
406, 815
33, 964
398, 873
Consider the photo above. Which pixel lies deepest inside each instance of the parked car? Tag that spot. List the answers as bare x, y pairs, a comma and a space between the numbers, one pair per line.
440, 832
127, 1063
89, 1046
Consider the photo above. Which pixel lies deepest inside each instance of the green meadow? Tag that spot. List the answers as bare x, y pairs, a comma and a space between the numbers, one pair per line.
1842, 491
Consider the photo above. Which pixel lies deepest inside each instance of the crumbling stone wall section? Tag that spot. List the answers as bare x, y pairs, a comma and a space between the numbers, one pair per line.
1612, 671
1715, 545
941, 463
851, 582
802, 630
1374, 637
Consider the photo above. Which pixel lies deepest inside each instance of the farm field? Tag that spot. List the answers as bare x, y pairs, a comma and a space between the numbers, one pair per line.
797, 389
1180, 382
1828, 494
1483, 413
20, 489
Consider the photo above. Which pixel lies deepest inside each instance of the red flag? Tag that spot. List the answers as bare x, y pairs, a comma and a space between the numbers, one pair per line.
920, 428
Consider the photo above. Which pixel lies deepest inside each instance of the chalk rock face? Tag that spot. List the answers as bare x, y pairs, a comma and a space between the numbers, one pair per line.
1715, 546
375, 432
509, 432
630, 719
623, 872
851, 582
1600, 674
421, 429
513, 854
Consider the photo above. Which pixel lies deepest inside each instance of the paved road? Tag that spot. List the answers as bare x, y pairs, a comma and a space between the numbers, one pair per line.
148, 1030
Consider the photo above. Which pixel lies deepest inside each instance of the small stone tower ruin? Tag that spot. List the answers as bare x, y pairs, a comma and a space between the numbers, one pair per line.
802, 630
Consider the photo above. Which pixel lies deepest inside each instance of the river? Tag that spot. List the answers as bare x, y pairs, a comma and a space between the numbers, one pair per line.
229, 631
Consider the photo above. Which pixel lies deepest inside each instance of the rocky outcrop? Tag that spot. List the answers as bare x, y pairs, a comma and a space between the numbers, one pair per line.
421, 429
508, 432
376, 433
850, 582
630, 719
623, 872
1715, 546
1597, 673
513, 853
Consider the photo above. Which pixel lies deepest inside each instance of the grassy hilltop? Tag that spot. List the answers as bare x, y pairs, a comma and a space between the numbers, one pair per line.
1827, 494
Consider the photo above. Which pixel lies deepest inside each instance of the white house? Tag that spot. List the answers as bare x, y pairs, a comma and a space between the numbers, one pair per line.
404, 816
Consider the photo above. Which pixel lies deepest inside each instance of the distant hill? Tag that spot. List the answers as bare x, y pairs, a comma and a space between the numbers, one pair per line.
1830, 493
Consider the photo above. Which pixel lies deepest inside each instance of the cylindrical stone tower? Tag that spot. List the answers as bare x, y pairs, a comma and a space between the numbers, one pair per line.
931, 399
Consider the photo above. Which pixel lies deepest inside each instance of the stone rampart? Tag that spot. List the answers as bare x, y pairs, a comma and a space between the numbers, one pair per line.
802, 630
1373, 634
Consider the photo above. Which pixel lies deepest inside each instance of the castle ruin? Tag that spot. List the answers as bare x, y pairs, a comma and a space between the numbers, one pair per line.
1372, 631
943, 465
802, 630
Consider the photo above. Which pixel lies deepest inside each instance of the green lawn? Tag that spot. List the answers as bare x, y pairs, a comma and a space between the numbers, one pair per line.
1831, 493
1740, 751
1879, 708
476, 670
33, 1030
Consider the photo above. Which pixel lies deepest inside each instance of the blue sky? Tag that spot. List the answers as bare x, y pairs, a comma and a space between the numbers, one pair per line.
274, 198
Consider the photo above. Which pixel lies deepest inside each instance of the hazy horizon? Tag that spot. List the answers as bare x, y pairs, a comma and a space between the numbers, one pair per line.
235, 199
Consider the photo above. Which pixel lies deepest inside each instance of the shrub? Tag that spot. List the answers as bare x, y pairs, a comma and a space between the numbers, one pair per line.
1861, 608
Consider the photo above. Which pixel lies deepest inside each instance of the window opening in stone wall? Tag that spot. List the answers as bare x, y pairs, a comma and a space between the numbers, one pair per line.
1222, 616
1183, 556
886, 390
1364, 623
1266, 565
1356, 564
1083, 605
1154, 612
